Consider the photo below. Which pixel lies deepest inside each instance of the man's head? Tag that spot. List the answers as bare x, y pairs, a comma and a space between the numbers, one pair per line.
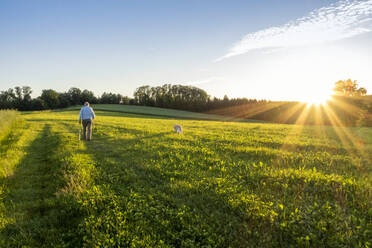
86, 104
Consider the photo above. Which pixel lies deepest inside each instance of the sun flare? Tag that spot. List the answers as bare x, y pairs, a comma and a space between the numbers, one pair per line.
317, 101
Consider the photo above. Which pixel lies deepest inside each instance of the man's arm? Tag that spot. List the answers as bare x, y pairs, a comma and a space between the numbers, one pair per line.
93, 115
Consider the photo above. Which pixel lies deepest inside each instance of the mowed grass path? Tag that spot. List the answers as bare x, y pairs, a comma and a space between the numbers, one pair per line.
138, 184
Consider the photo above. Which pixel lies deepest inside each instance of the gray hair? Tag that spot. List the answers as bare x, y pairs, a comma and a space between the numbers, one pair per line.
86, 104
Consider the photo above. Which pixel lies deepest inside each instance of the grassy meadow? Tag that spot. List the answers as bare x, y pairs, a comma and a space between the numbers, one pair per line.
163, 112
219, 184
7, 119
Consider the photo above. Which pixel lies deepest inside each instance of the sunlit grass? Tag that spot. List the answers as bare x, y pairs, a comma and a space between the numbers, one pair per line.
219, 184
7, 118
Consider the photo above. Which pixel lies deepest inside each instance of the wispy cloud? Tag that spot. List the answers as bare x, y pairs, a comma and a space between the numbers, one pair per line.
204, 81
341, 20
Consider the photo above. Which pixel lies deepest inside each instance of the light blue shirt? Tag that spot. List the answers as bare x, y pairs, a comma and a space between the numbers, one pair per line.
86, 113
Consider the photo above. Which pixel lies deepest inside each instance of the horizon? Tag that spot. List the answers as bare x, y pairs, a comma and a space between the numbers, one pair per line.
329, 98
277, 50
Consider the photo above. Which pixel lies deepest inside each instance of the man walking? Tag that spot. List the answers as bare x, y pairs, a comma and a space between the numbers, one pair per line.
86, 117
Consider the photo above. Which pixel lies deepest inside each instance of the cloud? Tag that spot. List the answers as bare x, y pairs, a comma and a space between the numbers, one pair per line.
341, 20
204, 81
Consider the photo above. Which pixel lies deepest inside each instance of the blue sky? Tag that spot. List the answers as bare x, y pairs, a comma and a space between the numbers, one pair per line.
259, 49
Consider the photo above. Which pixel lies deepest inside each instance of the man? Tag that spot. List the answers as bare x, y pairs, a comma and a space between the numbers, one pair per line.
86, 117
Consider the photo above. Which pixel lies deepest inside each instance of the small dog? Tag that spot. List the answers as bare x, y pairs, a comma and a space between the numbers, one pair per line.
178, 128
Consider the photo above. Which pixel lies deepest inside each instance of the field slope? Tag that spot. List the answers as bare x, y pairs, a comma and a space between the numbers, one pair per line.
162, 112
219, 184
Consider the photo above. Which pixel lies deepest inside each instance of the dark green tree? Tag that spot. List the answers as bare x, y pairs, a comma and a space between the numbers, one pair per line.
88, 96
51, 98
75, 96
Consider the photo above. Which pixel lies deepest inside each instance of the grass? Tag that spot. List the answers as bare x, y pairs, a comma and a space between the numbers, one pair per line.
220, 184
7, 119
162, 112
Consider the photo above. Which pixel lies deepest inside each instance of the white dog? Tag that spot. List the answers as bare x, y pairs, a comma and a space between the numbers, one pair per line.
177, 128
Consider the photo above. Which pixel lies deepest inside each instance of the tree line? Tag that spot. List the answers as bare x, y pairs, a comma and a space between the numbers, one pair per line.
184, 97
350, 104
20, 98
167, 96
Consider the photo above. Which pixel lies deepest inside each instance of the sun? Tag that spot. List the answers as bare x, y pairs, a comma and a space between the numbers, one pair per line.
317, 100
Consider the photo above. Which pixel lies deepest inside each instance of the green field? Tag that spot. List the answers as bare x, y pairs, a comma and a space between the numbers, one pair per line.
219, 184
162, 112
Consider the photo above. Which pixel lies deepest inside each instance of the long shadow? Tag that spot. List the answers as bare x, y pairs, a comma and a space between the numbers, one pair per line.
122, 129
127, 166
39, 217
133, 115
129, 114
164, 194
175, 204
47, 120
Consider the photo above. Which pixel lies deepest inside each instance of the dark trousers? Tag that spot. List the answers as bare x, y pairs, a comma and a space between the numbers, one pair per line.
87, 124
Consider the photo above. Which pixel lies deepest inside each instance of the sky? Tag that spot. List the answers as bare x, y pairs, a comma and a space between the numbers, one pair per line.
273, 49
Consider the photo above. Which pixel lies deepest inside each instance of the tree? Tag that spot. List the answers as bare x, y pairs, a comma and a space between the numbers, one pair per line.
26, 98
75, 96
111, 98
125, 100
88, 96
26, 90
142, 95
64, 100
362, 91
17, 98
349, 88
7, 99
50, 98
38, 104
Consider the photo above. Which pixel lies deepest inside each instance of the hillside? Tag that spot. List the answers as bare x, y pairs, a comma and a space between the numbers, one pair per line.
162, 112
337, 111
219, 184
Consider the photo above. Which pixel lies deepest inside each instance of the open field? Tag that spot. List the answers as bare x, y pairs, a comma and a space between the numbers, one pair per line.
7, 120
220, 184
163, 112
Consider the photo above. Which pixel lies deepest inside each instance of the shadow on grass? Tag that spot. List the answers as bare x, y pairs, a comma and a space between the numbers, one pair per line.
39, 217
149, 115
170, 117
168, 208
157, 193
